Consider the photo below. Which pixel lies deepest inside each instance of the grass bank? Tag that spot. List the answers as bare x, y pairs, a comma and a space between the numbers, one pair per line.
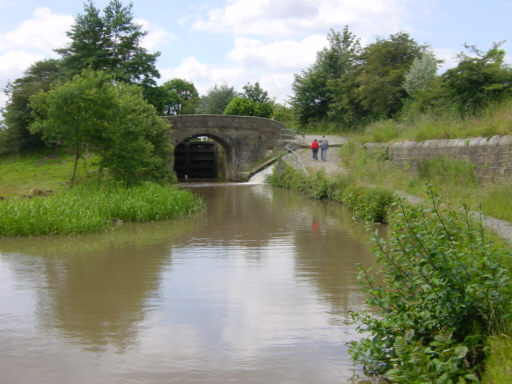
494, 120
453, 179
366, 203
19, 174
89, 206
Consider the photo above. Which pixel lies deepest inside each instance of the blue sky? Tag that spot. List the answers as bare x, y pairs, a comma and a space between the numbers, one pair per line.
235, 42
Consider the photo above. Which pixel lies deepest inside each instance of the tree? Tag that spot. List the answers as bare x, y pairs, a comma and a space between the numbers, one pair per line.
18, 112
315, 88
479, 79
216, 100
243, 106
421, 74
74, 112
255, 93
381, 75
135, 145
110, 43
181, 97
112, 118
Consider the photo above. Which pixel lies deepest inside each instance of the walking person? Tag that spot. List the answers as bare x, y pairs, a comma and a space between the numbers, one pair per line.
324, 144
314, 149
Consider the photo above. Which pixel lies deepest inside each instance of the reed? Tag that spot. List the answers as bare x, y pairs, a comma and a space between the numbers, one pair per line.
92, 208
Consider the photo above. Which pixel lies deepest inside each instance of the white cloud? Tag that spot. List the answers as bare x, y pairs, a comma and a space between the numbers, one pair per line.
278, 56
251, 60
155, 35
449, 57
45, 31
288, 17
12, 66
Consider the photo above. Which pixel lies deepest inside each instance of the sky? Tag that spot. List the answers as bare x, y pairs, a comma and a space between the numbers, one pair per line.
236, 42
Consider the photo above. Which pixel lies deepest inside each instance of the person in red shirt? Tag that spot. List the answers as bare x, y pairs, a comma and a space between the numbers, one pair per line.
314, 148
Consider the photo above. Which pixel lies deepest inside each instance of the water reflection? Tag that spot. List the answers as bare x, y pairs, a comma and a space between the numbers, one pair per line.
255, 291
95, 288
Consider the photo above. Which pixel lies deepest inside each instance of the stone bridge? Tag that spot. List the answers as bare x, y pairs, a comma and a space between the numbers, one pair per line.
246, 140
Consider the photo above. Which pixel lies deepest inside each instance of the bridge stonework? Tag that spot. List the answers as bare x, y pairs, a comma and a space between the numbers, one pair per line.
245, 139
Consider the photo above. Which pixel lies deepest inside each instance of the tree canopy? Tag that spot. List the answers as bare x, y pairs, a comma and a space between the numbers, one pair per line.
112, 118
180, 98
110, 42
18, 112
216, 100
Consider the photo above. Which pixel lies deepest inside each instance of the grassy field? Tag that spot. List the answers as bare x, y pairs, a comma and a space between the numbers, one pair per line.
20, 174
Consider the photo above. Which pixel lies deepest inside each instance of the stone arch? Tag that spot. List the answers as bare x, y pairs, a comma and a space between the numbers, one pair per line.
227, 148
247, 139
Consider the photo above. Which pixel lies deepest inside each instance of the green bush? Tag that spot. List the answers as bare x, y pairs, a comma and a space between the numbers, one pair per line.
444, 292
368, 204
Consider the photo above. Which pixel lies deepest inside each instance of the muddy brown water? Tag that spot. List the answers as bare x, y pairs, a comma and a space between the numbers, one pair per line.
258, 290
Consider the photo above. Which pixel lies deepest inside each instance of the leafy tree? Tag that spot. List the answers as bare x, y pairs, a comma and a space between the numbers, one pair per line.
216, 100
113, 119
255, 93
478, 79
181, 97
74, 112
134, 146
110, 43
243, 106
318, 88
421, 74
381, 75
18, 112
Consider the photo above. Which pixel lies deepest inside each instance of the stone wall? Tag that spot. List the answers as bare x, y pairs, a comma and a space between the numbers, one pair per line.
492, 157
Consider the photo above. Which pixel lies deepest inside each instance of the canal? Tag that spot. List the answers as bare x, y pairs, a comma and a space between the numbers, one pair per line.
258, 290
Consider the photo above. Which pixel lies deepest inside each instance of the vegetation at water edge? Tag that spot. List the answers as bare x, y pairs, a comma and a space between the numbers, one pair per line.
88, 208
444, 290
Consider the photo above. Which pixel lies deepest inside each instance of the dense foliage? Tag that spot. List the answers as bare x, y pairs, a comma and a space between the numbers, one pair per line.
350, 86
216, 100
92, 208
18, 112
111, 43
181, 97
366, 203
253, 101
113, 119
442, 289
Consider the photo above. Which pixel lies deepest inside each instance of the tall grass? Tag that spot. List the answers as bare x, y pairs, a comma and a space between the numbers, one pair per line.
447, 124
92, 208
454, 179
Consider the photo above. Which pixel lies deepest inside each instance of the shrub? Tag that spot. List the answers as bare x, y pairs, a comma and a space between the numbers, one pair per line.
368, 204
444, 292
